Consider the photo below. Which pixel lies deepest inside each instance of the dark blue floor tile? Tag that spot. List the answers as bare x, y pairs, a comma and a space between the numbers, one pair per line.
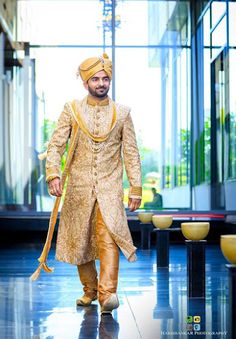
153, 301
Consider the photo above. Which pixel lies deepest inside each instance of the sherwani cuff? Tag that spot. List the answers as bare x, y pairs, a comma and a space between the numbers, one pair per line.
51, 177
52, 174
135, 192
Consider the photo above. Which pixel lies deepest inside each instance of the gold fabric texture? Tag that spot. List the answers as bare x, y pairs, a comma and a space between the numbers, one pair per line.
91, 66
95, 176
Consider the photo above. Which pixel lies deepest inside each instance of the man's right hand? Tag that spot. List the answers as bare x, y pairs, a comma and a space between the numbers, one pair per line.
55, 187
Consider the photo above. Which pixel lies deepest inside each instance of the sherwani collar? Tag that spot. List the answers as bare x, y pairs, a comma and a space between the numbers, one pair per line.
93, 102
77, 110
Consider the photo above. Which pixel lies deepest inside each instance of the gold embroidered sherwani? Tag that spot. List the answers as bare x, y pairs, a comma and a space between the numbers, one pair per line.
95, 177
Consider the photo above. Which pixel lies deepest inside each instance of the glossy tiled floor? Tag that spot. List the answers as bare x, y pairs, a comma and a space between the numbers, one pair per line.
153, 303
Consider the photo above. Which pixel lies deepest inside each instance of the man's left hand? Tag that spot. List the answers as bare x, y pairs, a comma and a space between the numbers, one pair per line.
134, 204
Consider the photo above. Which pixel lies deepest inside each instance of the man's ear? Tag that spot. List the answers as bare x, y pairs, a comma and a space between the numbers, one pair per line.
85, 83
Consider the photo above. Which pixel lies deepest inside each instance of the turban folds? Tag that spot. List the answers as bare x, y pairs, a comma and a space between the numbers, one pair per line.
91, 66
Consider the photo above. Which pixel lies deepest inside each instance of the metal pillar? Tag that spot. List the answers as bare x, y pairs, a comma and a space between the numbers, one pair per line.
146, 230
162, 247
196, 268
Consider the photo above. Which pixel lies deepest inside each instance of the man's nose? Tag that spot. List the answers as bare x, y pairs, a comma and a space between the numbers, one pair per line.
100, 82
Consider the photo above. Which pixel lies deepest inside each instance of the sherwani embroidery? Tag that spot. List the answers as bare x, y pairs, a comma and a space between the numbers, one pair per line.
96, 174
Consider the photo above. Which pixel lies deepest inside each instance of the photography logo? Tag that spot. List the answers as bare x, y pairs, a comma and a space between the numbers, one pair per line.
197, 319
196, 327
193, 323
189, 319
189, 327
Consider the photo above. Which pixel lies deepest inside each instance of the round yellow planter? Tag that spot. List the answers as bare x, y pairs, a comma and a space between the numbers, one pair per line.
162, 221
145, 217
195, 230
228, 247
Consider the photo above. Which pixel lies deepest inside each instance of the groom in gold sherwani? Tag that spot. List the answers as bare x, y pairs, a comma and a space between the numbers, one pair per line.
93, 223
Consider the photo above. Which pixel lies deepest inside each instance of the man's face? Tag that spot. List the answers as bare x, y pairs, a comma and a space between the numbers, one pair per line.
98, 85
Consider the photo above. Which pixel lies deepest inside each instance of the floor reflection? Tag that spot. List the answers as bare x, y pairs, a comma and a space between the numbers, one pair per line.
163, 310
153, 302
108, 327
89, 324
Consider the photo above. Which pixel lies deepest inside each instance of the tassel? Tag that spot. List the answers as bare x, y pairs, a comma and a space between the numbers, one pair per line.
36, 273
47, 269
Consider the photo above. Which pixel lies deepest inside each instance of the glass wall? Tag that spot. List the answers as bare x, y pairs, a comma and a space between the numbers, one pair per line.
17, 129
162, 52
214, 34
151, 69
213, 107
206, 96
231, 118
173, 58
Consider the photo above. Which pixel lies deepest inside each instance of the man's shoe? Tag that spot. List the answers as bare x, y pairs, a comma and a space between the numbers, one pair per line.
110, 304
85, 300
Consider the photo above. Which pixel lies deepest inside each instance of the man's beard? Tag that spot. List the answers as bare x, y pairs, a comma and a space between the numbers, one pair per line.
97, 93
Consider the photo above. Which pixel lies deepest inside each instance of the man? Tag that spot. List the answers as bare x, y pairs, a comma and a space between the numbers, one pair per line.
93, 222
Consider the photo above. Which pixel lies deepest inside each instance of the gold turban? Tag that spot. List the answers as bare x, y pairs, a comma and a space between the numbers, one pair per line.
91, 66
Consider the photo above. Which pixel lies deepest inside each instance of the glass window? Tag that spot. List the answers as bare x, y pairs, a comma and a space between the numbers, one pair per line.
218, 9
133, 28
137, 85
206, 29
16, 160
176, 111
169, 90
232, 20
206, 97
231, 118
61, 22
183, 124
219, 37
174, 18
207, 116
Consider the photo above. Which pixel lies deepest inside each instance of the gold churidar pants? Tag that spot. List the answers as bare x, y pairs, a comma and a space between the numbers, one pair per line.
108, 253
